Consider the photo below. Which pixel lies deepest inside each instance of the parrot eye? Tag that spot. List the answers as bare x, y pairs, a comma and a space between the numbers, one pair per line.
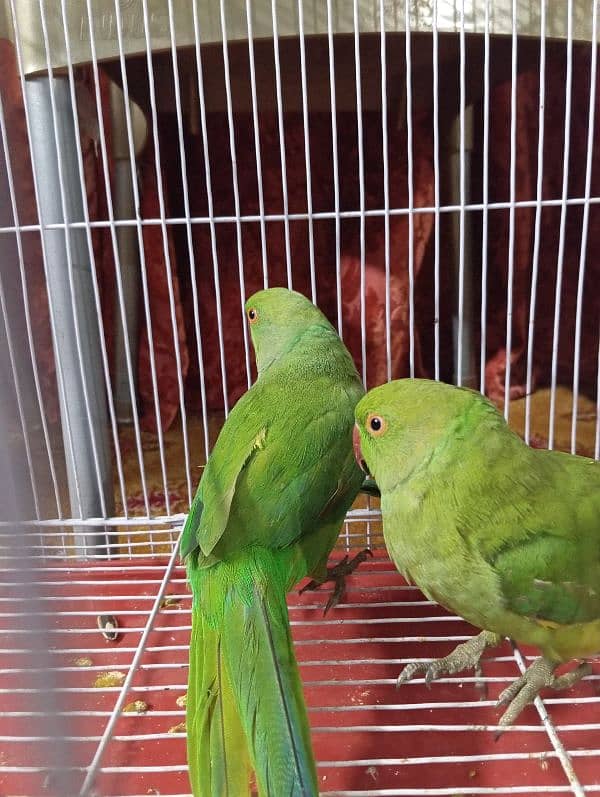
252, 315
376, 425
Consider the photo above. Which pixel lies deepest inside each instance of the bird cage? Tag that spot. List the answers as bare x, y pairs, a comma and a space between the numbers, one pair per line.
426, 171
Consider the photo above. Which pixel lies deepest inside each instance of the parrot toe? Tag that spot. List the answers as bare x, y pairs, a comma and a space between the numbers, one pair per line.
338, 575
465, 656
570, 678
526, 688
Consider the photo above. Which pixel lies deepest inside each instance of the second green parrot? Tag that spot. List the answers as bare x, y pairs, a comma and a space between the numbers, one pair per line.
268, 511
504, 535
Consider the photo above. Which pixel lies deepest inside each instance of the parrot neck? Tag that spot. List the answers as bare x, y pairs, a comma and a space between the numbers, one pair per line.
313, 345
454, 456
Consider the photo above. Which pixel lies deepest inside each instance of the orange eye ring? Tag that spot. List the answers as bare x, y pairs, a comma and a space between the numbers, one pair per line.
375, 424
252, 315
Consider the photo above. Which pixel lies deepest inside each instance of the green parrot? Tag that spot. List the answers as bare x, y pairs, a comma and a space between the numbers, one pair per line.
504, 535
267, 512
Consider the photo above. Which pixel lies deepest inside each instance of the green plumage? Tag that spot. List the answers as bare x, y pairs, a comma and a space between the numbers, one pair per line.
505, 535
267, 512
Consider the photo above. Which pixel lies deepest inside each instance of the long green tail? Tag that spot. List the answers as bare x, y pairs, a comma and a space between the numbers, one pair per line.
218, 760
243, 604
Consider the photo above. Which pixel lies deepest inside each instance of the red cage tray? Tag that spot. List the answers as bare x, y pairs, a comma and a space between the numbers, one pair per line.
369, 738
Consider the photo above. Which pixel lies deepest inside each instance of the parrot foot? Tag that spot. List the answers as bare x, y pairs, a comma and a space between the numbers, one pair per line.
338, 575
463, 657
526, 688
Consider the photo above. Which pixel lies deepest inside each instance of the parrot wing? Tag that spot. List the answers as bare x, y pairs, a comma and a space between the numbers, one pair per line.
543, 578
188, 541
545, 542
210, 508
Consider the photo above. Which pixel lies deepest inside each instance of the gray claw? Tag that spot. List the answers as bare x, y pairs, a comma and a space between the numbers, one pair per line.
410, 670
338, 575
464, 656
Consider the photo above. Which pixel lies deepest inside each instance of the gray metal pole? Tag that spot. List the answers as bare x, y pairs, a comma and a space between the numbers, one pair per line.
467, 375
127, 243
89, 477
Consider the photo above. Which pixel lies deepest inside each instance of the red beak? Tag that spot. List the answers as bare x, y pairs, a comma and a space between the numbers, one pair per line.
357, 452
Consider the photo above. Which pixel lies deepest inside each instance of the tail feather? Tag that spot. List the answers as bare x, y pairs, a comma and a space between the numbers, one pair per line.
243, 603
264, 674
218, 759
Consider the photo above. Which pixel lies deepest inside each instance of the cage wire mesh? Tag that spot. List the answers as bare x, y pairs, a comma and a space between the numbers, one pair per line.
425, 173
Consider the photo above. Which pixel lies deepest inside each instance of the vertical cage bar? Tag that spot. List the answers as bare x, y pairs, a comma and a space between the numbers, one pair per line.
129, 267
39, 126
511, 217
361, 189
145, 292
411, 222
166, 251
255, 124
86, 452
386, 189
94, 440
236, 191
309, 205
584, 229
537, 224
23, 420
464, 359
485, 197
336, 176
563, 224
436, 196
26, 310
117, 261
88, 234
461, 199
189, 237
284, 183
211, 216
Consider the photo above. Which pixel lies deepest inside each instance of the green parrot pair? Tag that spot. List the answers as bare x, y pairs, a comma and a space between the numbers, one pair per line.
506, 536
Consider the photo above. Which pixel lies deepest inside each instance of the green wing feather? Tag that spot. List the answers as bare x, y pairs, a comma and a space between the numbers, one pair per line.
207, 519
548, 558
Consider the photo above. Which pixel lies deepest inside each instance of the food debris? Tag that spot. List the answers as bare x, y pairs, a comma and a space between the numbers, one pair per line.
109, 627
179, 728
83, 661
372, 772
182, 701
136, 707
111, 678
169, 601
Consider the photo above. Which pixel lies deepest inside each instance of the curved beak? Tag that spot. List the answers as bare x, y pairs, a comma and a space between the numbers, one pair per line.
357, 452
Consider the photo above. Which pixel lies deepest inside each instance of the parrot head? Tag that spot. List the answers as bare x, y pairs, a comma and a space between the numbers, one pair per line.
277, 318
402, 424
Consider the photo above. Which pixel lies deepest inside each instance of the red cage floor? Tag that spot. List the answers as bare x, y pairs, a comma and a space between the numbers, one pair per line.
369, 738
